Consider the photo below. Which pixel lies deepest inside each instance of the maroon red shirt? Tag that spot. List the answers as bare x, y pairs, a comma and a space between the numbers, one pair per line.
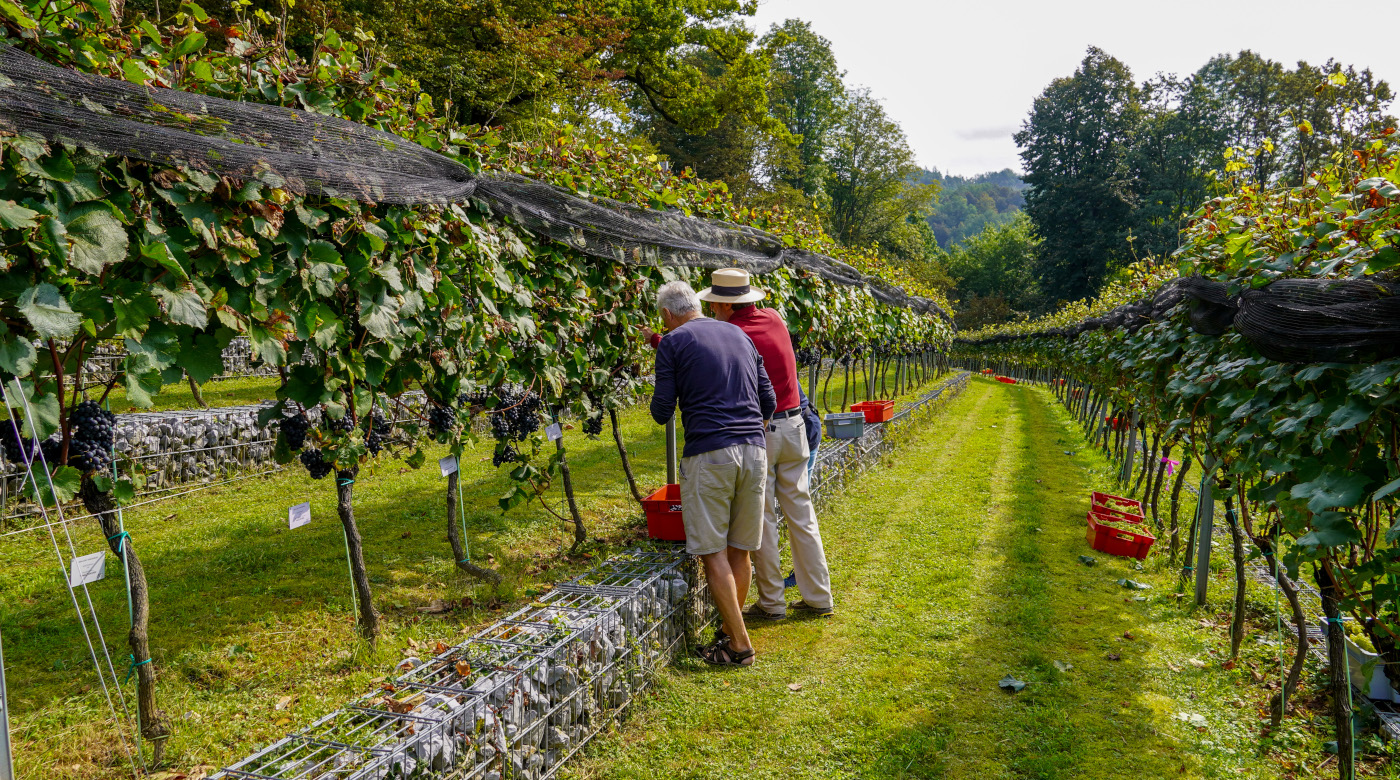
770, 334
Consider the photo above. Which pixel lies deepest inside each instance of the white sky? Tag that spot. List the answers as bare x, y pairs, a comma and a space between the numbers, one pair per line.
960, 76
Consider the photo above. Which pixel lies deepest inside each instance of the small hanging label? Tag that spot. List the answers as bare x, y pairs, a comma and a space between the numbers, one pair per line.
299, 515
555, 432
87, 568
447, 465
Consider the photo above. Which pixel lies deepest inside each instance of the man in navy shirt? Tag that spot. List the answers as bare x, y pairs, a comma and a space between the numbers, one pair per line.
714, 372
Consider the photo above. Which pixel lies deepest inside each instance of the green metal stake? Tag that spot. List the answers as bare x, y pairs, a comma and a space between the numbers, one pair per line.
462, 515
349, 566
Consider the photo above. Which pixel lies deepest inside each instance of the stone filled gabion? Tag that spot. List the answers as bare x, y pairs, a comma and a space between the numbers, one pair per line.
519, 698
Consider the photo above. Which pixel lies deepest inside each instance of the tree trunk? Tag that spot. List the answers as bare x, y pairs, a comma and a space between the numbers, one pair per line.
580, 534
826, 386
1300, 653
367, 620
459, 551
1337, 672
154, 726
198, 395
622, 455
1156, 491
1176, 506
1237, 627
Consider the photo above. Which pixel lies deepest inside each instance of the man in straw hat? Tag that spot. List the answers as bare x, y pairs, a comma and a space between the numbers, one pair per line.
732, 300
716, 375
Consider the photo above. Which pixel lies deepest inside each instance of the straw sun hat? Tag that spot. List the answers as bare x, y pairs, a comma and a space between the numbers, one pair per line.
731, 285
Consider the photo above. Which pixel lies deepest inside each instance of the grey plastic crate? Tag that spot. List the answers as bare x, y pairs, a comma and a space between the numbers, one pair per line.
845, 425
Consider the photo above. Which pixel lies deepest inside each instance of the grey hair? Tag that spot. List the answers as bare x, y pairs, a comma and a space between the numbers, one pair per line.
678, 298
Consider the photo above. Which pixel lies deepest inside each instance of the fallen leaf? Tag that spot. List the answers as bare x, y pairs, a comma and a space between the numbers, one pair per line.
405, 534
435, 607
439, 647
1011, 684
1063, 666
1128, 635
1113, 656
1228, 665
1087, 560
282, 703
1173, 667
1134, 585
463, 668
1196, 662
794, 686
1191, 718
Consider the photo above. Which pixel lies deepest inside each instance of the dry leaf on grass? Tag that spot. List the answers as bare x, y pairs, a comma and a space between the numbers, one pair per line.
794, 686
283, 703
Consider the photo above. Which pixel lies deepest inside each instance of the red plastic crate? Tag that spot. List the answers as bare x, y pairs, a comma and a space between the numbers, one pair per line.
1116, 507
1006, 380
663, 511
1117, 541
875, 411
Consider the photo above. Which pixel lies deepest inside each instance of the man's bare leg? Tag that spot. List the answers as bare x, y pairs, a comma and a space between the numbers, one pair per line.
740, 564
725, 593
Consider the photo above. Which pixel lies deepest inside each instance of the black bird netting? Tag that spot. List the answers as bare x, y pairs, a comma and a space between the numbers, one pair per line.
322, 155
1289, 320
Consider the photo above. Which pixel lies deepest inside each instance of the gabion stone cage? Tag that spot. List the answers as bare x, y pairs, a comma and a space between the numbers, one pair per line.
519, 698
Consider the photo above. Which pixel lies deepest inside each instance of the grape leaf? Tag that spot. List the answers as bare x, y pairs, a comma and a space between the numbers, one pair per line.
48, 312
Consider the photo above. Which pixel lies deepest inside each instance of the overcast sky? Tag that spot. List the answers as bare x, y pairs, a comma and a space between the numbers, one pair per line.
960, 76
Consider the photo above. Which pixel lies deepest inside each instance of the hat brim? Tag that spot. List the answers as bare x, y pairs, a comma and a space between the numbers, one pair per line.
754, 294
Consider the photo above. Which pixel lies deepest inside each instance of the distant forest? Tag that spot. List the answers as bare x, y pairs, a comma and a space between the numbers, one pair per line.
968, 205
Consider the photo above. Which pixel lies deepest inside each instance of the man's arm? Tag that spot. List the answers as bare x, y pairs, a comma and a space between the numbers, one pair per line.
767, 397
663, 397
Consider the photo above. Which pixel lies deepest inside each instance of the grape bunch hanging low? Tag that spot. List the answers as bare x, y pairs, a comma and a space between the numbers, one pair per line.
441, 419
316, 464
294, 428
345, 424
593, 423
517, 416
380, 429
91, 437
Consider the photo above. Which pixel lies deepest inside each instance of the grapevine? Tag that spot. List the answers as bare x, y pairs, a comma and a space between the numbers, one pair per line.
316, 464
294, 429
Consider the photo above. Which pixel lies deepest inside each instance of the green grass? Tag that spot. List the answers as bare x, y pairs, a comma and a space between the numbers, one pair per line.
246, 613
177, 397
953, 566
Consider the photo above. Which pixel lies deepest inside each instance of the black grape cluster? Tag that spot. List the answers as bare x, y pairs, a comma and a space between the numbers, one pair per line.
16, 446
517, 417
593, 424
808, 356
295, 428
345, 424
441, 419
379, 429
315, 464
91, 439
505, 454
478, 397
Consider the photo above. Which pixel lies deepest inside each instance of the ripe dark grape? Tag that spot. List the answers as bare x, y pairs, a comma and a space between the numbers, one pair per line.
91, 436
15, 445
294, 429
593, 424
379, 430
315, 464
517, 415
345, 424
441, 419
505, 453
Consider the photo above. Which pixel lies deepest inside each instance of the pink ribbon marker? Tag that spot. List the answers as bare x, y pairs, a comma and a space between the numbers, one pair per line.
1171, 465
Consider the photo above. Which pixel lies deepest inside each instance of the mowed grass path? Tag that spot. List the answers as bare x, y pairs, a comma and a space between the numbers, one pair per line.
955, 564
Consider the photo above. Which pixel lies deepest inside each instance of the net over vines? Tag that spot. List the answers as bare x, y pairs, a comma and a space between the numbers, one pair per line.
1289, 320
322, 155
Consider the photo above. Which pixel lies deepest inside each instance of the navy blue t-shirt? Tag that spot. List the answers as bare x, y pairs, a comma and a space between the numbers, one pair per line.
716, 374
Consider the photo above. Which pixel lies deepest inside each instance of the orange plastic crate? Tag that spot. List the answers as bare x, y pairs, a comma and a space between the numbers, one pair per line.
875, 411
663, 511
1117, 541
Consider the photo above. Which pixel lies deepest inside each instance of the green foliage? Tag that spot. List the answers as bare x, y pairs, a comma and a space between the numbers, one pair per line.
967, 206
357, 303
873, 197
806, 91
1314, 446
994, 273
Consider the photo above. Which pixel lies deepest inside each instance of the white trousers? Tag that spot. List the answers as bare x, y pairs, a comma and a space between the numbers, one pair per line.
789, 486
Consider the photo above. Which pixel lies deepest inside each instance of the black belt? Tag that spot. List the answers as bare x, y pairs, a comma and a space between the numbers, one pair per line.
793, 412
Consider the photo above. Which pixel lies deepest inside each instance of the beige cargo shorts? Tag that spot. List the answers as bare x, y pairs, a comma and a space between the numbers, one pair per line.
722, 498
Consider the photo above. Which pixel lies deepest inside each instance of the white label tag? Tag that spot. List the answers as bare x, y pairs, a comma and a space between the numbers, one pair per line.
447, 465
555, 432
87, 568
299, 515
